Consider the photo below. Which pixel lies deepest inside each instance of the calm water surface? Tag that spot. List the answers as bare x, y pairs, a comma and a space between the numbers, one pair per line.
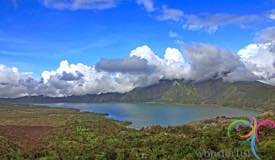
142, 115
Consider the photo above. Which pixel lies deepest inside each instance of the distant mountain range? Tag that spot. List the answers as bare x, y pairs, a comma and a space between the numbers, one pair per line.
253, 95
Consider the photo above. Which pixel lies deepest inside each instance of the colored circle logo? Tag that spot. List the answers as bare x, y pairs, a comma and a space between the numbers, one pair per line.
253, 135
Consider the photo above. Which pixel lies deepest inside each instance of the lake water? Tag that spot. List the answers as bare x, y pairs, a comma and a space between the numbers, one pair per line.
142, 115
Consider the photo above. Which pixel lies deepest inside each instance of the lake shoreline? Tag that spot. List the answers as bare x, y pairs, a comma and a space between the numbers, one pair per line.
216, 105
112, 112
153, 102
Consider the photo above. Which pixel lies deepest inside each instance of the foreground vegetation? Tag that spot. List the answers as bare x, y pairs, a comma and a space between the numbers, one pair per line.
28, 132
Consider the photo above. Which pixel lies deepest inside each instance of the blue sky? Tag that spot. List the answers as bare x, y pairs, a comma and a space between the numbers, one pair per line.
35, 37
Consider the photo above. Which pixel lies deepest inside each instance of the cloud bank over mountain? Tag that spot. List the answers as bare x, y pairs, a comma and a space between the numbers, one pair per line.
259, 57
142, 67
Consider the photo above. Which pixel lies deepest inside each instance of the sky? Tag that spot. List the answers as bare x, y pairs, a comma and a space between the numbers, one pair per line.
75, 47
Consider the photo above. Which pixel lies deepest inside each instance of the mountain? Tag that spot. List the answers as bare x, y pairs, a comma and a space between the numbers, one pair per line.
253, 95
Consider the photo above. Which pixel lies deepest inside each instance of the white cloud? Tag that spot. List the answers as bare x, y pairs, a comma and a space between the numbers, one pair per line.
173, 55
91, 80
259, 57
210, 62
212, 22
170, 14
79, 4
147, 53
12, 75
11, 82
77, 79
173, 34
172, 66
203, 62
249, 51
177, 38
148, 5
271, 14
266, 35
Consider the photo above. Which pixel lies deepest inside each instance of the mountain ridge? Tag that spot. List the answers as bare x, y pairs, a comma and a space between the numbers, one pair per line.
253, 95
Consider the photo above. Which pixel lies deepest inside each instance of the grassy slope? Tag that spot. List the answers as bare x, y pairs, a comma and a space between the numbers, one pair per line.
76, 135
241, 94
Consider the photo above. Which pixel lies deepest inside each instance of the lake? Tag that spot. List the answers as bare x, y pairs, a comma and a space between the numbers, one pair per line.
142, 115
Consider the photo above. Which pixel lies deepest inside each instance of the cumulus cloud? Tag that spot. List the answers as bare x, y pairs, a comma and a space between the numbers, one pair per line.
172, 66
260, 57
79, 4
143, 67
170, 14
145, 52
83, 79
91, 81
71, 77
11, 82
210, 62
148, 5
173, 55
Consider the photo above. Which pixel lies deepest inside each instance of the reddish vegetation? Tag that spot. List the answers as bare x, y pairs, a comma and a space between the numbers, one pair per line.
28, 137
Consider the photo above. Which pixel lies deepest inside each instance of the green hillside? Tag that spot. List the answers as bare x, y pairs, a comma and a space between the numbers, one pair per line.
252, 95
